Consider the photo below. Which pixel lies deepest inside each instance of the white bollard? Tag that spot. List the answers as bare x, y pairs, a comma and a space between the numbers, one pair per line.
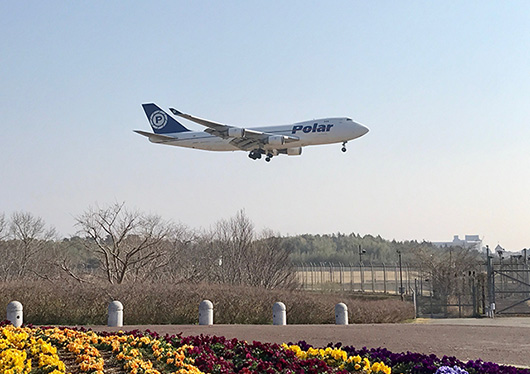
206, 313
341, 314
15, 314
115, 314
279, 316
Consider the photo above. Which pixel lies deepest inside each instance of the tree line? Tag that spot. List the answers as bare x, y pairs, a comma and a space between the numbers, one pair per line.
116, 244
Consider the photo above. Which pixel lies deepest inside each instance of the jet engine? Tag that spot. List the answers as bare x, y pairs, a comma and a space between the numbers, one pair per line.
236, 132
294, 151
276, 140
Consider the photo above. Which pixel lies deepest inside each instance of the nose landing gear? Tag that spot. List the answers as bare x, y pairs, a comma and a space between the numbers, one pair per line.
344, 147
269, 157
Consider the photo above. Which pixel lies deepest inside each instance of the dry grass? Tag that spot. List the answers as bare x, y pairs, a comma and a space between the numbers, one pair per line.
164, 303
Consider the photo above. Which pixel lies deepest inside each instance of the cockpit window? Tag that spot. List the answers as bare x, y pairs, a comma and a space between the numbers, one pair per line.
348, 119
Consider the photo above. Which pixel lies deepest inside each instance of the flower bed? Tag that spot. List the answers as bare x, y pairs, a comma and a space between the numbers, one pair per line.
32, 350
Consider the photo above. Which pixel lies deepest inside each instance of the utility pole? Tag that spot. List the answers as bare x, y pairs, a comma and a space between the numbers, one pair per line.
400, 277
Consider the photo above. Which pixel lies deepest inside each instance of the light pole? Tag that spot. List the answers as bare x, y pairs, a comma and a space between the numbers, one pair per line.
400, 276
361, 253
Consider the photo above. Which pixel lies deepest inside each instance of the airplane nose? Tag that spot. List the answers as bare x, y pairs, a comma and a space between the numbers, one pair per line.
362, 129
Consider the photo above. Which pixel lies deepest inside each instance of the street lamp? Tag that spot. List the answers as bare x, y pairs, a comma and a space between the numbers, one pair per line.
361, 253
401, 290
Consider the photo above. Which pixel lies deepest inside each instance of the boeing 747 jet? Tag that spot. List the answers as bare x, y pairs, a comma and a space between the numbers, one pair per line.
259, 141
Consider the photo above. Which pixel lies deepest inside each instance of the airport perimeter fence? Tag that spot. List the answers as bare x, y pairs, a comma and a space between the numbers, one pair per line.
501, 286
372, 278
466, 299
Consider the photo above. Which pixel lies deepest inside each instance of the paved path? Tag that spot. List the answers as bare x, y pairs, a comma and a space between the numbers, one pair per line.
501, 340
502, 321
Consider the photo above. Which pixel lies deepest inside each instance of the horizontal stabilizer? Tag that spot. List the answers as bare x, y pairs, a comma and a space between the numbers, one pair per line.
155, 138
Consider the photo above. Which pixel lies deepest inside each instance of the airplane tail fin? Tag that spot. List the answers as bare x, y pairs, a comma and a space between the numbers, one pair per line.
160, 121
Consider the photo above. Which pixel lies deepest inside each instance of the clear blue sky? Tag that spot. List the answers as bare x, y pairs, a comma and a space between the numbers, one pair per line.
443, 86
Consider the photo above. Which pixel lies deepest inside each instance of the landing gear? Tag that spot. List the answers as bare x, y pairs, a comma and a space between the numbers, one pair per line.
255, 154
344, 147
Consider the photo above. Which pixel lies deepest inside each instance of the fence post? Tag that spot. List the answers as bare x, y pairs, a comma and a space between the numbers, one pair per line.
279, 316
341, 314
408, 279
396, 278
415, 302
312, 276
373, 276
206, 313
15, 313
384, 278
361, 268
115, 317
341, 277
351, 277
321, 275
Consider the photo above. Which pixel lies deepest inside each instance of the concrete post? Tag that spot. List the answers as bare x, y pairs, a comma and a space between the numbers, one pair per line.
341, 314
206, 313
115, 314
15, 314
279, 316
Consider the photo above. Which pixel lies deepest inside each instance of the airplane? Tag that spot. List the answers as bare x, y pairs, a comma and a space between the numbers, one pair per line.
268, 141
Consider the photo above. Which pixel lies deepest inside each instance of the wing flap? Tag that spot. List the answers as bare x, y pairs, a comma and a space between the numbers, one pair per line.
246, 144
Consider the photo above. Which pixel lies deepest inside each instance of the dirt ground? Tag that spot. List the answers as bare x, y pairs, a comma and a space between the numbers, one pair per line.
504, 341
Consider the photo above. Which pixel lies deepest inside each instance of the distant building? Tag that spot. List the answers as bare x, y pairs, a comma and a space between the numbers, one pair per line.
470, 241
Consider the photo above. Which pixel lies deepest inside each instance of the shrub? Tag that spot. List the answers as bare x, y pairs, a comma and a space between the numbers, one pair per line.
165, 303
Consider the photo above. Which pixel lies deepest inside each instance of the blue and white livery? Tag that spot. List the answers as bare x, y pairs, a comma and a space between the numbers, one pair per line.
268, 141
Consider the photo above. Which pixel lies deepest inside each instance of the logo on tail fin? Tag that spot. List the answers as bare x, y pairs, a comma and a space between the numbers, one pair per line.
158, 119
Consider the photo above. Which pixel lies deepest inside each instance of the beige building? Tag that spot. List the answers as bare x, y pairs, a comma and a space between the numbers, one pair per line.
469, 241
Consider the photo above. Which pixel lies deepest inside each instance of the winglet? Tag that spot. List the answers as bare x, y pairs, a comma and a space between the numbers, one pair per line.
175, 112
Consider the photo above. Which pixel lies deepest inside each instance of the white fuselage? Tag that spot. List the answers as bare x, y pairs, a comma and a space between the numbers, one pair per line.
319, 131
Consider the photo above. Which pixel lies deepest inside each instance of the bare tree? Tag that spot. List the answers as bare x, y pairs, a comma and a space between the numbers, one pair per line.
232, 248
446, 266
245, 258
270, 266
5, 263
192, 259
127, 242
3, 227
27, 246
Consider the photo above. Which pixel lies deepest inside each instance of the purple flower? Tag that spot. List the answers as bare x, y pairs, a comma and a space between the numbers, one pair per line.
450, 370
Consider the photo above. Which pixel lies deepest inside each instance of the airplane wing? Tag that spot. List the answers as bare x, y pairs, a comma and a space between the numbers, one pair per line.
242, 138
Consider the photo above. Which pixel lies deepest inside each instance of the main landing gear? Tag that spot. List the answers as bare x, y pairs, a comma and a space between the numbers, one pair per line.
344, 147
256, 155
